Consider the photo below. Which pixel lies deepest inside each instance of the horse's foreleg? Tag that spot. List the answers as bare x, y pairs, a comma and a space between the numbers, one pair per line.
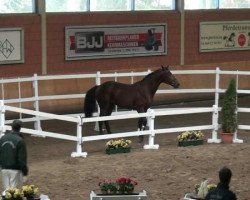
142, 124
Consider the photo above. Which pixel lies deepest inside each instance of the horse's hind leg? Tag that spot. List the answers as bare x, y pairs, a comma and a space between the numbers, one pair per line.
105, 112
102, 113
110, 109
100, 126
107, 126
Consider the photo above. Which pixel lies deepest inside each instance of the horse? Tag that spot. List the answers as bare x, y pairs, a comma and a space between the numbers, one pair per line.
137, 96
229, 40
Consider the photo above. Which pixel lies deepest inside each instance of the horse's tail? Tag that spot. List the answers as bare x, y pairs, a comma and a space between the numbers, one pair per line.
89, 103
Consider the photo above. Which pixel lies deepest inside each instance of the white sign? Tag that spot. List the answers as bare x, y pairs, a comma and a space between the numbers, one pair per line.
224, 36
11, 45
87, 42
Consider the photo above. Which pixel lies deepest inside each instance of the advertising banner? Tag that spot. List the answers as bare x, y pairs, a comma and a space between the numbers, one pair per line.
11, 45
90, 42
224, 36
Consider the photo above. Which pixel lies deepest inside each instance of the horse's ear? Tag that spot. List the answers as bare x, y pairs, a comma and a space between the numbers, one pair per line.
164, 68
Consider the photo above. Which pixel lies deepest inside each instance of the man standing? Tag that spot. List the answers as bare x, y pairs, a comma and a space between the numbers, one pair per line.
13, 157
222, 192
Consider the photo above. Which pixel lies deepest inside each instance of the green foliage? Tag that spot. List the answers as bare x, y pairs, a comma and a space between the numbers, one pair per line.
228, 111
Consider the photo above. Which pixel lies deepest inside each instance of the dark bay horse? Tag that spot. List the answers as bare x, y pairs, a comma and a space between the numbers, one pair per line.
137, 96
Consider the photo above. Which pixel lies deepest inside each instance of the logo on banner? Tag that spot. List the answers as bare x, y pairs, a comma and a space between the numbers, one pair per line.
6, 48
89, 41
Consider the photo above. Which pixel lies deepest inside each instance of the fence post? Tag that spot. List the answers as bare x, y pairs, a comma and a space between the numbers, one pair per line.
79, 152
2, 118
37, 123
217, 86
214, 138
215, 118
235, 138
116, 79
97, 82
151, 137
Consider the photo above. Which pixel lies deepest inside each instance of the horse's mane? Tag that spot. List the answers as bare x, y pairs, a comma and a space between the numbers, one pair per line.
151, 74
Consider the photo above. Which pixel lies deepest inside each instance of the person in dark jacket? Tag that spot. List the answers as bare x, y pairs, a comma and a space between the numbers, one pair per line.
13, 157
222, 192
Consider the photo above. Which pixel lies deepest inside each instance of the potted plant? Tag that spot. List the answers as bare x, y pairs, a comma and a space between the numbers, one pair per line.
190, 138
108, 186
118, 146
200, 191
30, 192
126, 185
228, 113
122, 185
13, 194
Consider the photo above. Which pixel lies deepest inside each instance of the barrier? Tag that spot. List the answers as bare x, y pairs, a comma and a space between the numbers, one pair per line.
80, 121
151, 114
76, 120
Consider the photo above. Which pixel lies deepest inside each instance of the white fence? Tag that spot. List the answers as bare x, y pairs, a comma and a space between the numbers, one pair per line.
151, 114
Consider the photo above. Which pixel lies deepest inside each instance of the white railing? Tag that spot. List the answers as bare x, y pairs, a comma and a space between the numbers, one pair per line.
80, 121
151, 114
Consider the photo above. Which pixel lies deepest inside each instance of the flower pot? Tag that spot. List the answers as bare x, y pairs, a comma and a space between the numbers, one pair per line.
33, 198
118, 150
190, 143
140, 195
104, 192
227, 138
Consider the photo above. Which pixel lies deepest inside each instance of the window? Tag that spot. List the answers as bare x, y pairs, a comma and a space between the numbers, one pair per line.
110, 5
201, 4
216, 4
154, 4
107, 5
234, 4
66, 5
17, 6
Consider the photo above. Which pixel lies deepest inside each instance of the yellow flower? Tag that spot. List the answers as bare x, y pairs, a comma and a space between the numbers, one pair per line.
190, 135
8, 195
211, 186
118, 143
30, 190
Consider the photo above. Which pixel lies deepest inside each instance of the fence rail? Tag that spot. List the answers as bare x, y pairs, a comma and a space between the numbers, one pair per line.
80, 121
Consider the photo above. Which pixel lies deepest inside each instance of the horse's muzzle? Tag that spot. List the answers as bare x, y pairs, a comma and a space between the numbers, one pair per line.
176, 85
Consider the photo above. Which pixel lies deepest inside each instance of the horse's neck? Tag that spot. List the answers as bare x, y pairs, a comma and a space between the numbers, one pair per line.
152, 83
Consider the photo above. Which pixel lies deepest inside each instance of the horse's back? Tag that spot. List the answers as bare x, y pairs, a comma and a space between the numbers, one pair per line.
116, 93
112, 86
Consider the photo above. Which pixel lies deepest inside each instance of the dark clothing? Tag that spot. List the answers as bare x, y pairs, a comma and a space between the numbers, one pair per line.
13, 153
221, 192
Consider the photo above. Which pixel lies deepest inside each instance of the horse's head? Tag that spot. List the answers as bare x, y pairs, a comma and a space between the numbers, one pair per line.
169, 78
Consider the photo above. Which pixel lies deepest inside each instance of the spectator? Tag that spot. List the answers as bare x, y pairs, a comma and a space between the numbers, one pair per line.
222, 192
13, 157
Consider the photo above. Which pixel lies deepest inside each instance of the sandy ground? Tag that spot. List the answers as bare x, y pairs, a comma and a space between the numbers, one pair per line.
166, 174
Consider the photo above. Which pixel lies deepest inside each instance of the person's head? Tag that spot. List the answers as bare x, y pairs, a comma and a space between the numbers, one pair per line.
16, 125
225, 175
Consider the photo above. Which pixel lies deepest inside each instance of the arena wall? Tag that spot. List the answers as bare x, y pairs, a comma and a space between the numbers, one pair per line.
56, 63
31, 25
